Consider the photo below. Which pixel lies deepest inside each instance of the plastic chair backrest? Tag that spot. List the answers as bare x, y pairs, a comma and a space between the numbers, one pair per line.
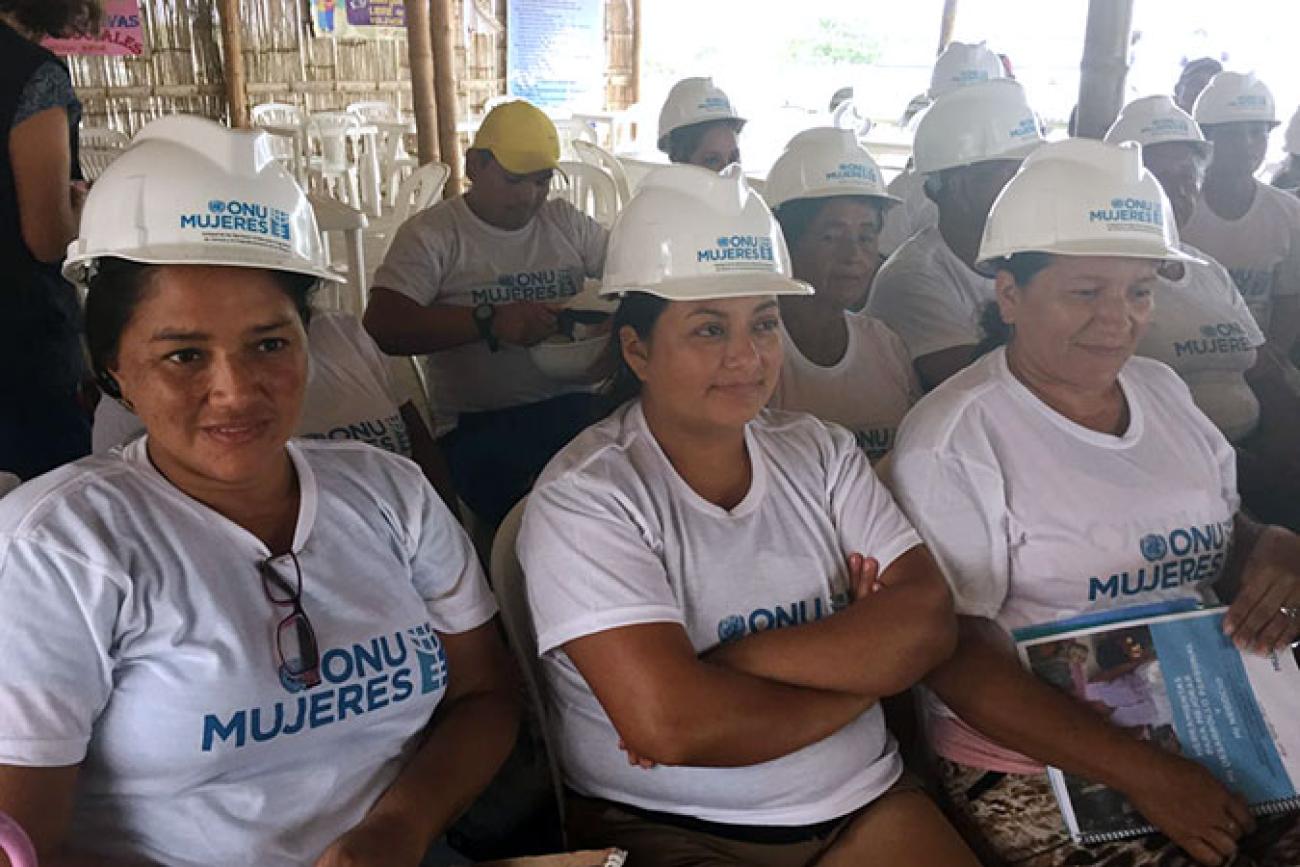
276, 114
373, 110
588, 189
508, 583
15, 843
594, 154
422, 189
103, 138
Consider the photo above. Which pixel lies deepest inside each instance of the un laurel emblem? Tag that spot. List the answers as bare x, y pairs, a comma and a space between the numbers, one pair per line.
730, 628
1154, 547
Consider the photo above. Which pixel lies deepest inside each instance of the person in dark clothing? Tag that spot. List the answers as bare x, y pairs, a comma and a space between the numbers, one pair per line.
42, 424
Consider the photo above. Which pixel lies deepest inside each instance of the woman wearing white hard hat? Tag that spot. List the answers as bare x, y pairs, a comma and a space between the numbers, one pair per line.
1287, 176
967, 146
1204, 330
1043, 477
222, 646
668, 544
840, 364
1251, 228
698, 126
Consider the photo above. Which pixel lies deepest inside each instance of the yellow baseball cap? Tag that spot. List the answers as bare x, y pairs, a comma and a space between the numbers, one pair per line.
521, 138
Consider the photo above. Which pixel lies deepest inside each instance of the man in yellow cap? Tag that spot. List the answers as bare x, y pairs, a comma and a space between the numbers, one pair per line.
475, 280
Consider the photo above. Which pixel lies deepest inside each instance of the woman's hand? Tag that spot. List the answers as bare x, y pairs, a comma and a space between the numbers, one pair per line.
864, 577
1191, 807
1269, 587
379, 841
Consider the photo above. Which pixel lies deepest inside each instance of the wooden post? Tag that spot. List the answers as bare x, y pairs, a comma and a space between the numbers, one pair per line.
444, 86
634, 88
947, 23
1104, 66
232, 62
419, 40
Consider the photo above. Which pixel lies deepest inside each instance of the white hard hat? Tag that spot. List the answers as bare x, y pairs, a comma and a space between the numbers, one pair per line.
1155, 120
1231, 97
963, 63
1081, 197
571, 360
189, 191
1292, 141
692, 101
690, 234
823, 162
990, 120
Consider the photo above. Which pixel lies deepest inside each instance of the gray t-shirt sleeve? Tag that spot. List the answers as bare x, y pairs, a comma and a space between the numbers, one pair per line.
416, 262
49, 87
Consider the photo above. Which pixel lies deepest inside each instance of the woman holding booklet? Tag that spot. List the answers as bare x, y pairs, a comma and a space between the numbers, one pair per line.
1060, 475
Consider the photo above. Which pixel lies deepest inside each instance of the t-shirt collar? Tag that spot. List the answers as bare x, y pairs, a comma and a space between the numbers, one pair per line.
135, 453
1026, 397
487, 228
758, 472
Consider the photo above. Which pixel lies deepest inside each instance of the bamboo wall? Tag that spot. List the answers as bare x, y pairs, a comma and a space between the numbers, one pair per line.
285, 62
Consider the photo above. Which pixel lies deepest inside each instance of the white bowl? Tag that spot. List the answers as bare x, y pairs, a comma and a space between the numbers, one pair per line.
571, 360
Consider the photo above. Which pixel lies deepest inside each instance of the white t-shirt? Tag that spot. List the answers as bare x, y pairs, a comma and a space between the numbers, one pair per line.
613, 536
447, 255
929, 297
138, 641
1203, 329
1034, 518
349, 394
916, 211
1261, 250
868, 391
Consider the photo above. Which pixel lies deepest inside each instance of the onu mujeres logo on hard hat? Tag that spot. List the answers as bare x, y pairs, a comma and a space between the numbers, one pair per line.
1167, 125
739, 249
234, 215
1133, 212
853, 172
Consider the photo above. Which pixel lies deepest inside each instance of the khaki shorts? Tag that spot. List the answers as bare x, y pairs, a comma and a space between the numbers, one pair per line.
595, 824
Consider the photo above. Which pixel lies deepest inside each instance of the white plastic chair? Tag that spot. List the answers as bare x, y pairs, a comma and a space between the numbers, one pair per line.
335, 166
508, 584
597, 156
394, 161
572, 130
421, 189
588, 189
334, 216
286, 124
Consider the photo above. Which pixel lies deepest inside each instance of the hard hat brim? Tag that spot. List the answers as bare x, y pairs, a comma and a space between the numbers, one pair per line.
1095, 248
884, 198
717, 286
78, 267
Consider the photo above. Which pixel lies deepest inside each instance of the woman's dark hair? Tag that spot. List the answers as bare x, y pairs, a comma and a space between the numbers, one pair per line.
115, 292
641, 311
685, 140
55, 17
1023, 267
796, 215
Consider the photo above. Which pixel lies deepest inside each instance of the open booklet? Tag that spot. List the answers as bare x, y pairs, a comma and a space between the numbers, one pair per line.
1177, 680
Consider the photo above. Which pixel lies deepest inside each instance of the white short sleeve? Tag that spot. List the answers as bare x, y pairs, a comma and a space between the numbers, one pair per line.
919, 308
592, 238
56, 643
959, 509
869, 521
589, 568
446, 571
416, 262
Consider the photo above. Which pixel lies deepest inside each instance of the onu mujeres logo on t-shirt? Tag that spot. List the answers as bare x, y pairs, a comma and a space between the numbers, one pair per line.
547, 284
736, 626
356, 680
1186, 555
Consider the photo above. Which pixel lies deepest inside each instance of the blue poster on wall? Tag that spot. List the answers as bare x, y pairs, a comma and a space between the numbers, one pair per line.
556, 53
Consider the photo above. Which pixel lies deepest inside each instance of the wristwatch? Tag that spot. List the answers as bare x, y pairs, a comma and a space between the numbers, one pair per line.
483, 316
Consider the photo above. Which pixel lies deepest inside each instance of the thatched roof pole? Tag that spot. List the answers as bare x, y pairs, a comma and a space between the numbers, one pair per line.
1105, 65
444, 87
232, 58
634, 86
419, 41
947, 23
